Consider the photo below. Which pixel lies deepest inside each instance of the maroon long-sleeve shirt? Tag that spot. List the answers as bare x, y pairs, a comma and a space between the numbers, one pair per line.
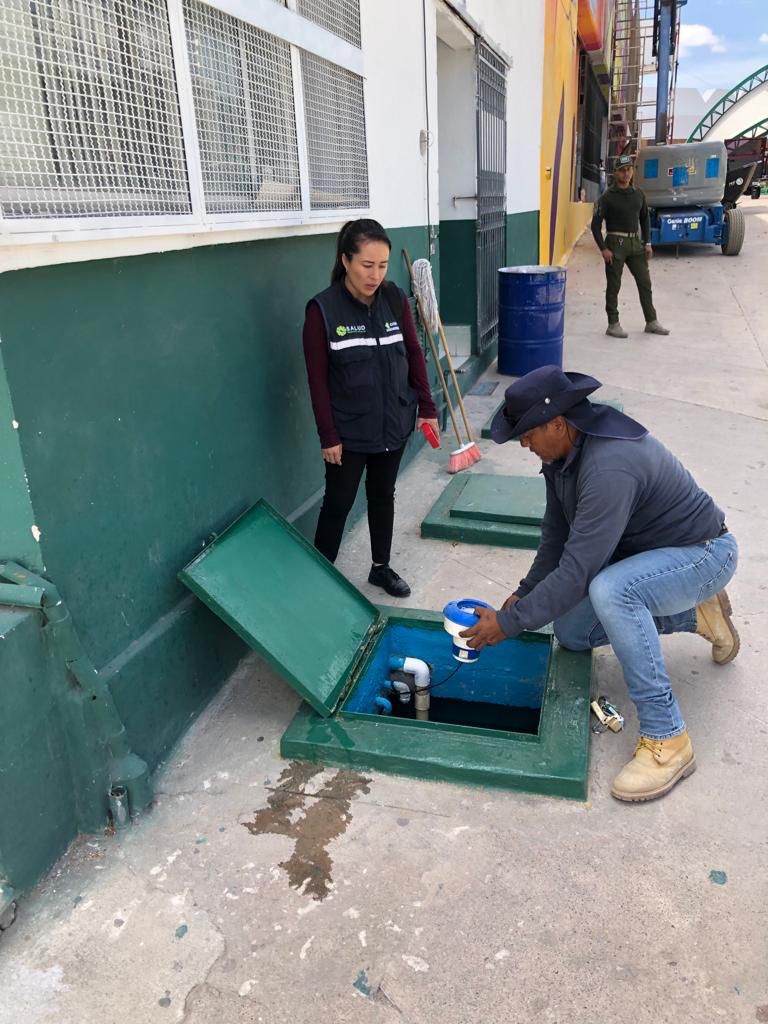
316, 356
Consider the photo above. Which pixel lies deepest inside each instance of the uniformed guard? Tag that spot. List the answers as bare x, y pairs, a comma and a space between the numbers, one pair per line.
627, 240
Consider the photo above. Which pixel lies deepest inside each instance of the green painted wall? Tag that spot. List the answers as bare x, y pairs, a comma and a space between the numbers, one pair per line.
522, 239
458, 273
458, 265
158, 396
37, 806
458, 276
17, 542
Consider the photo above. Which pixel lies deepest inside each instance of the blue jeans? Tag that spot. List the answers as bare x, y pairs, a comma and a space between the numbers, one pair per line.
631, 602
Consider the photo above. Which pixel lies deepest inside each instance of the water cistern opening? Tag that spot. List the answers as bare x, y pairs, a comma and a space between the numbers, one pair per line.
477, 713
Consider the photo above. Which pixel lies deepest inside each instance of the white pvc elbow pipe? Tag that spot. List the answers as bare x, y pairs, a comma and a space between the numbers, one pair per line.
420, 671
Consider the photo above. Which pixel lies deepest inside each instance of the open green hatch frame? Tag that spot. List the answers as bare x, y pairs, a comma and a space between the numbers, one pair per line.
319, 633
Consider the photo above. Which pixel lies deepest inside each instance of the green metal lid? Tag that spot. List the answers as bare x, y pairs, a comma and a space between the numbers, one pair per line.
286, 601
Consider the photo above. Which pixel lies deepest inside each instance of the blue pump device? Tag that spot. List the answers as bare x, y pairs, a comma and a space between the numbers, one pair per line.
458, 616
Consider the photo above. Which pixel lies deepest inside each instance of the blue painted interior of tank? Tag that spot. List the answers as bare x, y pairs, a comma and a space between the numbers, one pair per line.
513, 673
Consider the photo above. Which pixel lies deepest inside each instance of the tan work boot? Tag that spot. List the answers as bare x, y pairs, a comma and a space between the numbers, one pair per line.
655, 768
616, 331
654, 327
713, 622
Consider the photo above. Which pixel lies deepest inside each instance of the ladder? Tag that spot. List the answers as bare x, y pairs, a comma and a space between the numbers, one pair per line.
632, 109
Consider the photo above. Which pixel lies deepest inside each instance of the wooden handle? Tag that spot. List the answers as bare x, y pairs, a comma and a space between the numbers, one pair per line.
441, 332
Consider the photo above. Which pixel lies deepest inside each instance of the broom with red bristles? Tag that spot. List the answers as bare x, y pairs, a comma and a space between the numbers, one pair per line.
467, 454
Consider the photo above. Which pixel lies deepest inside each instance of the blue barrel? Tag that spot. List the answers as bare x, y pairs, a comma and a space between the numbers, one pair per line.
531, 318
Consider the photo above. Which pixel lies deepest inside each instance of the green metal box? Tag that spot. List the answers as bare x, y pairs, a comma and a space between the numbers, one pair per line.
518, 718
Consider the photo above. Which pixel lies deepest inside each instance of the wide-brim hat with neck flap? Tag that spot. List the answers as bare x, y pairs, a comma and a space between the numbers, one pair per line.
547, 392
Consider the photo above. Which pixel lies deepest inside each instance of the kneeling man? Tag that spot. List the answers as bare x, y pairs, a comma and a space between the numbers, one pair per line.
631, 547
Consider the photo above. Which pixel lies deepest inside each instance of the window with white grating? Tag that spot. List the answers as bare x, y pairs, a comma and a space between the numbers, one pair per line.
335, 125
121, 116
89, 113
246, 121
342, 17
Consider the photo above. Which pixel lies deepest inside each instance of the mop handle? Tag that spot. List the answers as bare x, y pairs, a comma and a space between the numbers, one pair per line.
435, 354
459, 399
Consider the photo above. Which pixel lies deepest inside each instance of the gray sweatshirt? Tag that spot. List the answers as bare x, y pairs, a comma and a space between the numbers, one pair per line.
608, 500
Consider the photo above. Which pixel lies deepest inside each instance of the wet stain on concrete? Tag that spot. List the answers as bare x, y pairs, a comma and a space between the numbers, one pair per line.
313, 820
165, 1002
181, 931
361, 983
718, 877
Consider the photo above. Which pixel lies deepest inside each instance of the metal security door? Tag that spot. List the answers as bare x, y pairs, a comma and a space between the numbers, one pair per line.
491, 191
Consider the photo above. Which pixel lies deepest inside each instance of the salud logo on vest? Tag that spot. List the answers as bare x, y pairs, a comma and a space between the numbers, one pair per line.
341, 331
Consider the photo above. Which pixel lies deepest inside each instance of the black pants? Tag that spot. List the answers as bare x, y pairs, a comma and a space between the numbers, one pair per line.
341, 483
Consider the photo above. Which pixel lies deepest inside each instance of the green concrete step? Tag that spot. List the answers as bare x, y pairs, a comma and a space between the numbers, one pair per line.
501, 499
483, 508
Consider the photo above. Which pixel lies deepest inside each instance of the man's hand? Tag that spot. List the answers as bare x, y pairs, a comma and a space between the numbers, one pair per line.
487, 632
332, 455
509, 602
648, 250
607, 255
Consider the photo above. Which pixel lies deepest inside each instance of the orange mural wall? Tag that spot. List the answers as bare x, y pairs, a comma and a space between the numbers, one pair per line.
562, 219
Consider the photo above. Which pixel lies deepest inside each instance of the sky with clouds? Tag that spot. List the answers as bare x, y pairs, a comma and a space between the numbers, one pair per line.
721, 42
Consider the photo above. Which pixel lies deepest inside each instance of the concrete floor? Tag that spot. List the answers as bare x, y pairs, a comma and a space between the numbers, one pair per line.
259, 891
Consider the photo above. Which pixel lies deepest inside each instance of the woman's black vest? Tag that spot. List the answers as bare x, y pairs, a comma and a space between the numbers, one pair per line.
374, 405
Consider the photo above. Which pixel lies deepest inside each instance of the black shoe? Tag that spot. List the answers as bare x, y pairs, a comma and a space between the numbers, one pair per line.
383, 576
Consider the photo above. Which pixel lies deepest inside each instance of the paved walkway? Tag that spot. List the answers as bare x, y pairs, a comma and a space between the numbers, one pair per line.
442, 903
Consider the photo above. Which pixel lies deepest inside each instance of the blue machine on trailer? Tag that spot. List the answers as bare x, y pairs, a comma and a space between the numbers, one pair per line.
673, 227
685, 186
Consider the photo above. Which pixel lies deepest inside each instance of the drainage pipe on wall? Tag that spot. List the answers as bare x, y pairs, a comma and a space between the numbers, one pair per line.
101, 761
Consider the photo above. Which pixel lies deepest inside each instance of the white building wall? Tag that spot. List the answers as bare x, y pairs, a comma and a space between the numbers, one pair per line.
525, 44
457, 132
394, 55
516, 29
396, 47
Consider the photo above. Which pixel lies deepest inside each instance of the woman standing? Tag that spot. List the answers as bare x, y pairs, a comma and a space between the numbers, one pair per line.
368, 379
